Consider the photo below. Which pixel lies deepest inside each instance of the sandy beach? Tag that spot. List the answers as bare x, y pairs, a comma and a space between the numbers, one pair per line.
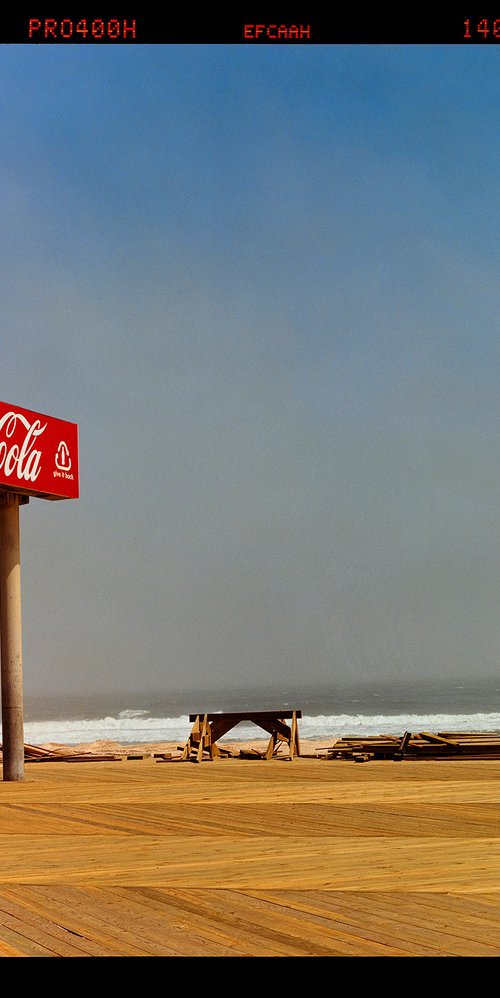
251, 858
107, 747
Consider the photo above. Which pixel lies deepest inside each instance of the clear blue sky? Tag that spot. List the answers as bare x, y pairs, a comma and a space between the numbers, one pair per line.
265, 284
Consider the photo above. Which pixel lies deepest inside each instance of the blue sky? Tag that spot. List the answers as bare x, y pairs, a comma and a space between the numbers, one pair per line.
265, 284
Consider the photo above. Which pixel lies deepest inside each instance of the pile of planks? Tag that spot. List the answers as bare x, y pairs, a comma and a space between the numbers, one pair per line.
421, 745
34, 753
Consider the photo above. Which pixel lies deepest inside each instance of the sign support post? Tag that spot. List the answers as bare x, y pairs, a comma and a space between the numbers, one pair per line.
11, 637
38, 457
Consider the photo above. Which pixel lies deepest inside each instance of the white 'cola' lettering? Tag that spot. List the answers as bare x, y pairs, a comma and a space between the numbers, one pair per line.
23, 459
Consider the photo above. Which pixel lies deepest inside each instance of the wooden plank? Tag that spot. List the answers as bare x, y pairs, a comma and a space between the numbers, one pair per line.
294, 738
35, 914
248, 715
199, 754
401, 749
271, 746
246, 859
439, 739
376, 916
54, 940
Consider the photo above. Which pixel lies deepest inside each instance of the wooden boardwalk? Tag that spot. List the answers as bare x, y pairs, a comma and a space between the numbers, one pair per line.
251, 858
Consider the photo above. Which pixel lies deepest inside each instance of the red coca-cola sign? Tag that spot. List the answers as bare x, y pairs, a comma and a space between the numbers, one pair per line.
38, 454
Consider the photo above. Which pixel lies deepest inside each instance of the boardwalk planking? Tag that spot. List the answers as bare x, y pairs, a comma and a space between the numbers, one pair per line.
251, 858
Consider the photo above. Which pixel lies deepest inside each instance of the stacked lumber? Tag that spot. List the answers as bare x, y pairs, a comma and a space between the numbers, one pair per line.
33, 753
66, 757
352, 746
420, 745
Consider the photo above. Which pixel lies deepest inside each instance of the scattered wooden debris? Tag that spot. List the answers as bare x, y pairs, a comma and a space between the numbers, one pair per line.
34, 753
87, 757
420, 745
144, 756
401, 749
208, 729
447, 745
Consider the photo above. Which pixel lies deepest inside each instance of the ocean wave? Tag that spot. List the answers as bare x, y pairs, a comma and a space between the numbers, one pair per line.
132, 726
126, 729
340, 725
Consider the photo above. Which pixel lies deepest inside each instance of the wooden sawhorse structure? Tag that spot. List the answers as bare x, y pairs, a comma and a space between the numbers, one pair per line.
208, 728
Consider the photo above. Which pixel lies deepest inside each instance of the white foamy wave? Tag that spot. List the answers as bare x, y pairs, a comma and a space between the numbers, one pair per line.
126, 729
132, 726
341, 725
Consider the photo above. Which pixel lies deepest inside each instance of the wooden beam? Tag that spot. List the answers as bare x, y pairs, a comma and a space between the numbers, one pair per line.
248, 715
271, 746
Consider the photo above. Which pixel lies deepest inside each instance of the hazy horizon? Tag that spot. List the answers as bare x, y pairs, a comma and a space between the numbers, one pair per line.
264, 283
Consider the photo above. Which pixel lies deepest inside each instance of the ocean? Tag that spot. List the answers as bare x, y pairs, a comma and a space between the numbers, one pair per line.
328, 711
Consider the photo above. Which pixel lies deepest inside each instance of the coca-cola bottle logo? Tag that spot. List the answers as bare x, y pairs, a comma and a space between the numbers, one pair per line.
63, 460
